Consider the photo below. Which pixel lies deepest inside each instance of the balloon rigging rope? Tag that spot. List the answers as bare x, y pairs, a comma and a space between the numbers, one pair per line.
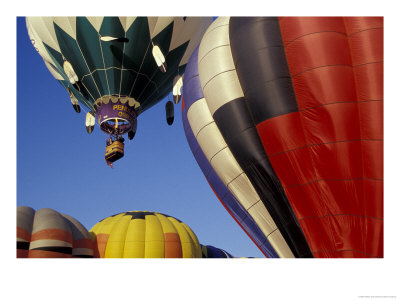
88, 92
154, 73
122, 66
104, 64
157, 89
89, 72
85, 102
133, 85
109, 68
66, 79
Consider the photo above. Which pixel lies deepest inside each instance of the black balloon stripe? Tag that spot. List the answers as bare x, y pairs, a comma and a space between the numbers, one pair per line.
260, 61
23, 245
259, 57
82, 256
64, 250
243, 141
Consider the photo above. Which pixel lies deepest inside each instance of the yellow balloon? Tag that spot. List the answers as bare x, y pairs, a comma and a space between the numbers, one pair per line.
143, 234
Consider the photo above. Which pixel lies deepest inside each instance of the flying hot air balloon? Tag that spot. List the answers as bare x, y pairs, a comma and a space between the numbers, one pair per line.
284, 115
117, 67
46, 233
143, 234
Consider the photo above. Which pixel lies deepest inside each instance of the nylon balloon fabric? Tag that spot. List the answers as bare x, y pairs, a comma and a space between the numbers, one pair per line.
291, 121
193, 93
143, 234
98, 59
209, 251
46, 233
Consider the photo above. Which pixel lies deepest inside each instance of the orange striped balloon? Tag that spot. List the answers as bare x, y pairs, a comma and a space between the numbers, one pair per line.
47, 233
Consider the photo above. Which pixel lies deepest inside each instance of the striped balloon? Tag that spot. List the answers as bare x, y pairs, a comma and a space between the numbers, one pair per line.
285, 118
45, 233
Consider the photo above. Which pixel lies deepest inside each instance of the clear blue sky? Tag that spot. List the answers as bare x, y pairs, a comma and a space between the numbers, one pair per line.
62, 167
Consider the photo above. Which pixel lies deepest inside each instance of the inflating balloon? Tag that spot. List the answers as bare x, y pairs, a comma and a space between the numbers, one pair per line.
49, 234
117, 67
143, 234
285, 118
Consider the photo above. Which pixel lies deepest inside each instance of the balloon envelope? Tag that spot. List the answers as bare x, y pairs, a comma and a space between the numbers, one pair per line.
285, 118
46, 233
143, 234
209, 251
117, 59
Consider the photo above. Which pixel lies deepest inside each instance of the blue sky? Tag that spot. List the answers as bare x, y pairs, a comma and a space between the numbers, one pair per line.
62, 167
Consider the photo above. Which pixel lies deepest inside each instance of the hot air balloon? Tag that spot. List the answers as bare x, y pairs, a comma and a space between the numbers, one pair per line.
46, 233
209, 251
143, 234
117, 67
284, 115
